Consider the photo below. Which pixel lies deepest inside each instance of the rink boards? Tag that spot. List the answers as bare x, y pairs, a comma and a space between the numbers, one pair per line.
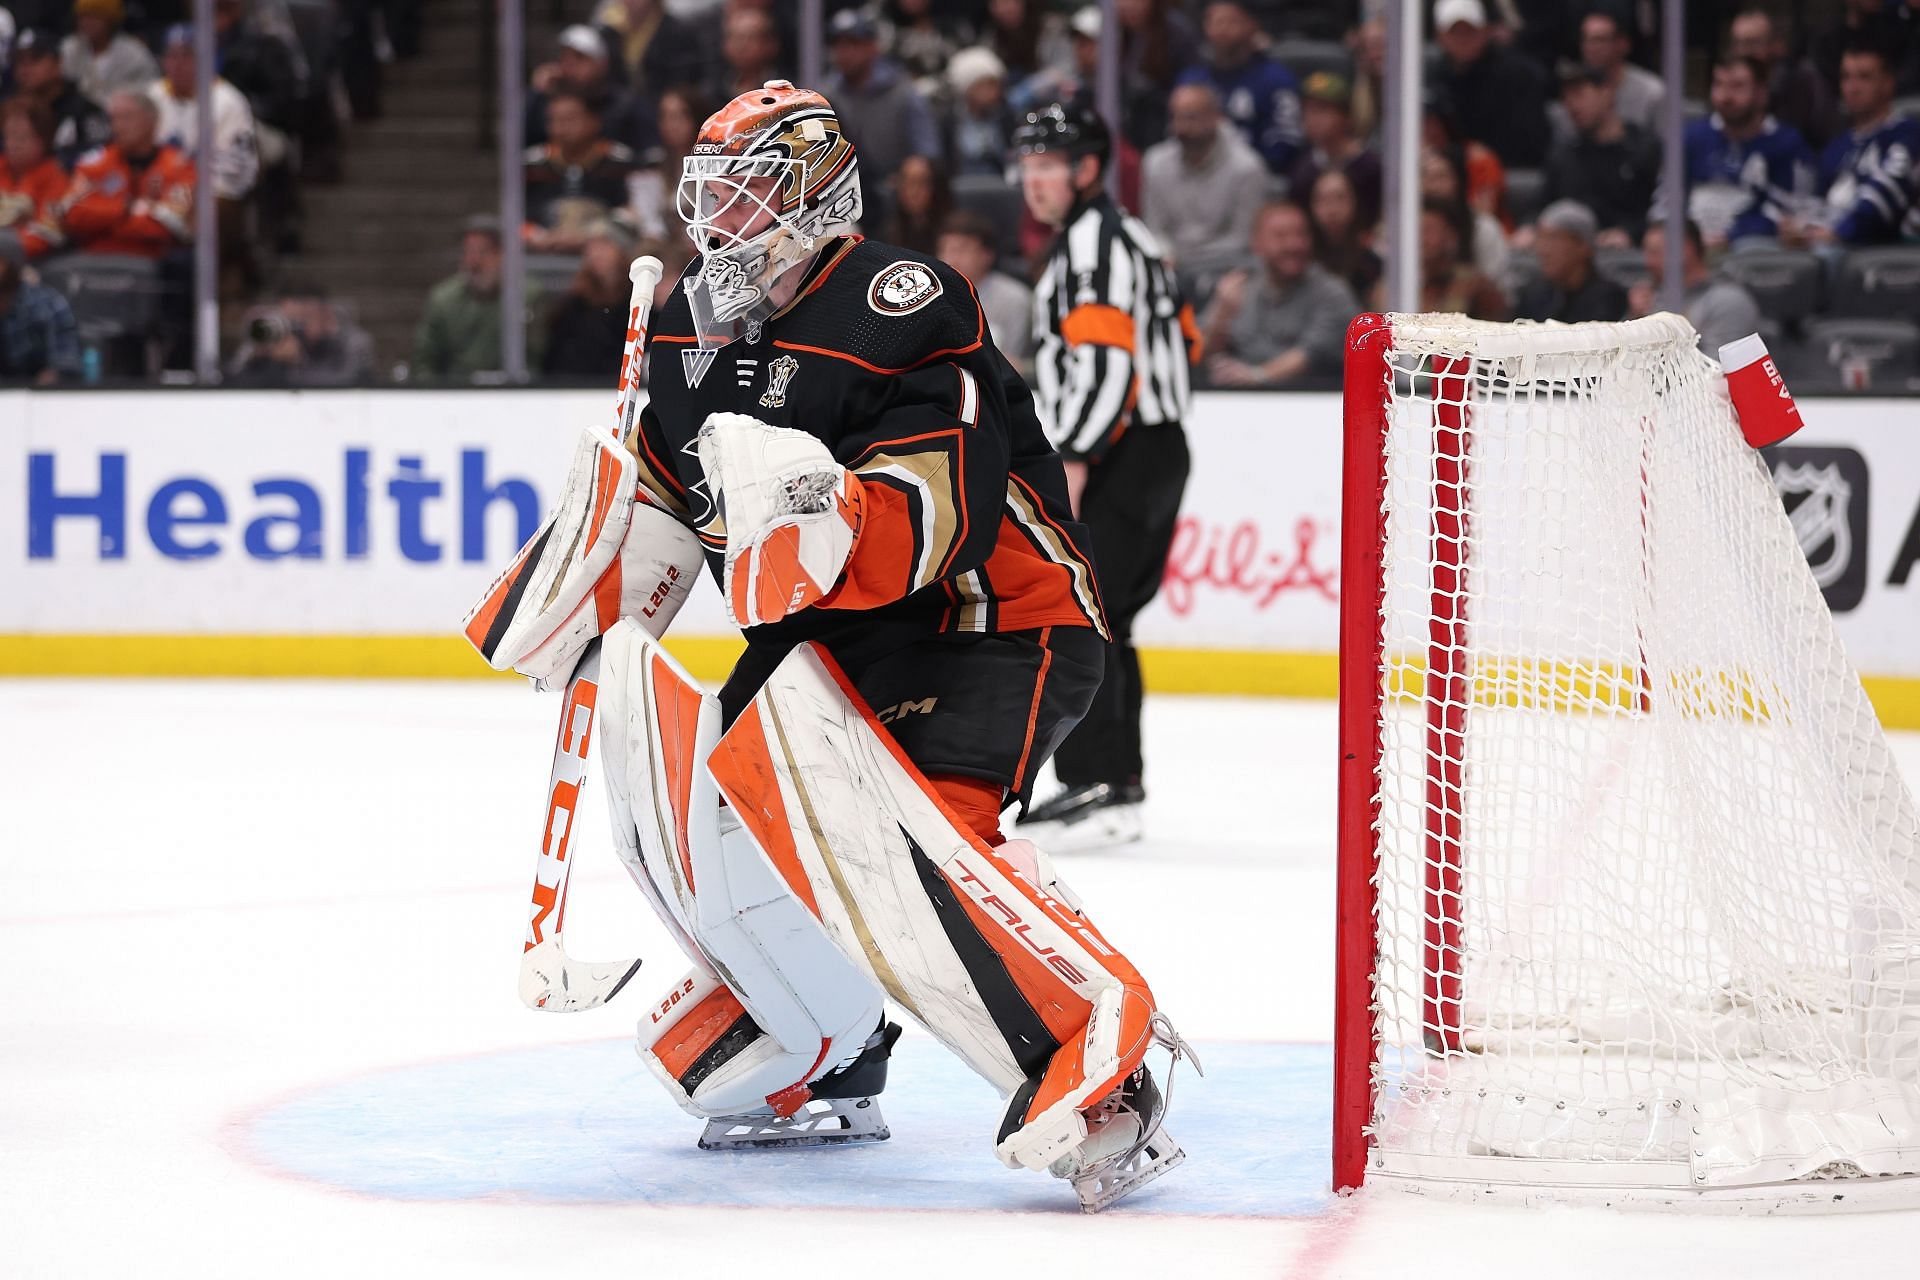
346, 533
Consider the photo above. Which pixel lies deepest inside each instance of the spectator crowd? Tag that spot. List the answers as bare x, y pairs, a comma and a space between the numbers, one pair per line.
1249, 144
100, 176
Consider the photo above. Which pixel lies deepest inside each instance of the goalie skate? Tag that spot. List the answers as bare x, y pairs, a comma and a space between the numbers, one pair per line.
821, 1122
842, 1107
1127, 1144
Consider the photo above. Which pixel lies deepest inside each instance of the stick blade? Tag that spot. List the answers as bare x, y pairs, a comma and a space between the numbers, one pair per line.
552, 982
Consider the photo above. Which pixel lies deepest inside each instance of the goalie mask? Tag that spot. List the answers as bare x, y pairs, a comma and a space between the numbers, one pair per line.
771, 175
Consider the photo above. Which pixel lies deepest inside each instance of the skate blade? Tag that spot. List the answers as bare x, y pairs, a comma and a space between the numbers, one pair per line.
1105, 828
1103, 1187
822, 1123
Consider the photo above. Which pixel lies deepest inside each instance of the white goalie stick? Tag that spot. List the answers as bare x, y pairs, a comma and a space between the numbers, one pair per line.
549, 978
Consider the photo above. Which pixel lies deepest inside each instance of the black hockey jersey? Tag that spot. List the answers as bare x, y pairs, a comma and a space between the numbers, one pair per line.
884, 355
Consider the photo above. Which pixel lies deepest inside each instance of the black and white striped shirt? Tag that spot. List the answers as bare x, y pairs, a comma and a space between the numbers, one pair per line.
1116, 342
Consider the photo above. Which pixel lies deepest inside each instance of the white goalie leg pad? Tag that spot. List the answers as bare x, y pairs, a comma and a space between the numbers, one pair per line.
1016, 982
605, 552
777, 1004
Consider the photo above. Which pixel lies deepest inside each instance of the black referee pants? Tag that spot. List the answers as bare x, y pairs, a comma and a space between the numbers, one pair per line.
1130, 504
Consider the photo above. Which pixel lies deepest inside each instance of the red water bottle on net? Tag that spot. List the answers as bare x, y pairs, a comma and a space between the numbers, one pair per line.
1760, 397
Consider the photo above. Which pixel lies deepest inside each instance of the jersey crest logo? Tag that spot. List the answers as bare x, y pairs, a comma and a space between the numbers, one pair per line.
694, 362
903, 288
779, 374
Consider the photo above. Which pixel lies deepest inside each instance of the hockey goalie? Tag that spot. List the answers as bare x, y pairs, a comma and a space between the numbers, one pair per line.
832, 428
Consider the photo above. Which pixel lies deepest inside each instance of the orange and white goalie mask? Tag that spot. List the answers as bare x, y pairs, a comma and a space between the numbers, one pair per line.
770, 177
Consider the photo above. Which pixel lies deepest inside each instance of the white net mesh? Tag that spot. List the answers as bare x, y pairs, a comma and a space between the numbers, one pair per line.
1648, 880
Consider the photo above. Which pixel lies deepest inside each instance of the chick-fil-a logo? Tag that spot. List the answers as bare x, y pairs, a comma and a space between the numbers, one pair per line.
1234, 558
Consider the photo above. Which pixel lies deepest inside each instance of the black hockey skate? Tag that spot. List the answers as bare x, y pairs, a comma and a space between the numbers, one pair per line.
843, 1107
1087, 816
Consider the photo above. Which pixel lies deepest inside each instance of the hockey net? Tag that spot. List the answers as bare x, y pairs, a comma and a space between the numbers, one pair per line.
1630, 882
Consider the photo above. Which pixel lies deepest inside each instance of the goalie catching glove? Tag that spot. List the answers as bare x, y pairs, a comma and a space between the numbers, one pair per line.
606, 552
792, 515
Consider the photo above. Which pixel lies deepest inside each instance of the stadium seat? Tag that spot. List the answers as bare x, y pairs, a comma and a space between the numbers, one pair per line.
1304, 57
1879, 282
996, 200
1526, 195
112, 295
1785, 282
1626, 267
1890, 350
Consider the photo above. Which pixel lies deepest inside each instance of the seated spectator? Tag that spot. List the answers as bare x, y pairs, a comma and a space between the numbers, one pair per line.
1610, 166
32, 183
1570, 289
39, 344
1201, 188
749, 53
1719, 309
100, 57
1331, 144
1745, 170
1483, 241
79, 125
655, 49
1340, 242
1891, 26
574, 179
263, 65
1639, 96
1870, 171
967, 245
1285, 318
1499, 97
236, 161
1483, 178
1259, 95
921, 201
1448, 281
134, 195
922, 40
1020, 33
459, 333
656, 185
1796, 94
1143, 110
880, 110
581, 68
587, 328
979, 119
1157, 42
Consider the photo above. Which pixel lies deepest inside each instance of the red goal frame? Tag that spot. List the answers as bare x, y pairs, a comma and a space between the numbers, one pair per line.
1366, 409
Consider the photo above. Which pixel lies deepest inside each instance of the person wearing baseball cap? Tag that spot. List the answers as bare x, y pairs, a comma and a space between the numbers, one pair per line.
1570, 289
1499, 97
100, 57
581, 66
1326, 116
79, 125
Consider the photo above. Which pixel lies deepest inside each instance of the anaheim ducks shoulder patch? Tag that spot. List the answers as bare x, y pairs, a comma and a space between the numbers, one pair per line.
903, 288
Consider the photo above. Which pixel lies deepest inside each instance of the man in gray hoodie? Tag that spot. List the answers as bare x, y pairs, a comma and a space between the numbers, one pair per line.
879, 109
1200, 189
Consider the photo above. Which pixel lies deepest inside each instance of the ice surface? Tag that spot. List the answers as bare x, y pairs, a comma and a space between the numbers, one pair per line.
261, 941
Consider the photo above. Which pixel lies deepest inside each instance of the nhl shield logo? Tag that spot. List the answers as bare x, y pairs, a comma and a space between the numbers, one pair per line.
779, 373
1824, 491
1819, 517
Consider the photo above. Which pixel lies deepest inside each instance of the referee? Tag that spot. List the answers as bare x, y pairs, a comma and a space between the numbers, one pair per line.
1115, 344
